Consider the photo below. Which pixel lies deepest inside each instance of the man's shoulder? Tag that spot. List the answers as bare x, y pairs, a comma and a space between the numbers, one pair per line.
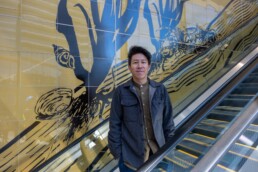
155, 83
124, 85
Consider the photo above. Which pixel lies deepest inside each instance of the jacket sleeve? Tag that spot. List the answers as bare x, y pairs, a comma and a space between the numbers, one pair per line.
115, 122
168, 121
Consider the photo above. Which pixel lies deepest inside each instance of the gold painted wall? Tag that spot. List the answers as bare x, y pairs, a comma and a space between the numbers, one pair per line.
60, 62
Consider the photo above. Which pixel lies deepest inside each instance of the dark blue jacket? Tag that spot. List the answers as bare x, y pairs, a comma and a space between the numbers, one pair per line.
126, 134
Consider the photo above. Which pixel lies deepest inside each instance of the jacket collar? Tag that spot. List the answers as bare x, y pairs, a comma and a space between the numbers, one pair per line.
152, 83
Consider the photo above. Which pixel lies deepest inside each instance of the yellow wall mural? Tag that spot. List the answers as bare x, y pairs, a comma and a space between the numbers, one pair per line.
60, 61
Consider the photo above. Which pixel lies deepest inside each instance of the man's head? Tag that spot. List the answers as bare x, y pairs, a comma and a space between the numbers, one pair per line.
139, 60
138, 50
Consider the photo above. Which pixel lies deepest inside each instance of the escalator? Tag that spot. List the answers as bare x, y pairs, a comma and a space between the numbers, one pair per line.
209, 129
184, 153
243, 154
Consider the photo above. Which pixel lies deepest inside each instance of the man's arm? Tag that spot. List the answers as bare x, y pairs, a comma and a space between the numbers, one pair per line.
168, 121
115, 122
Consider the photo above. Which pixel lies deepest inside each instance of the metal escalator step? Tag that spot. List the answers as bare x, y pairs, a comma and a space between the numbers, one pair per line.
206, 122
225, 112
251, 79
244, 90
210, 128
211, 124
255, 74
250, 136
255, 70
238, 155
221, 117
221, 168
193, 148
179, 161
229, 108
255, 122
253, 127
201, 138
242, 150
233, 102
248, 85
227, 161
182, 161
242, 96
205, 132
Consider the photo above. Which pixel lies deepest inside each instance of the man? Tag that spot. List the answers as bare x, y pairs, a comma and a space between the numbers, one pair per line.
141, 118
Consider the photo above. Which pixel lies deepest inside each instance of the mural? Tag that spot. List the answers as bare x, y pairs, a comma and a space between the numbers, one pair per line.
61, 61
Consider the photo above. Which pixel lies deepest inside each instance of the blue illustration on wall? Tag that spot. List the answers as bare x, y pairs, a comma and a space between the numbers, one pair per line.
104, 45
66, 113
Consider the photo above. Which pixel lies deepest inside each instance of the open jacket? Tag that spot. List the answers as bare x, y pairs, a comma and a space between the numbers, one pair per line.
126, 134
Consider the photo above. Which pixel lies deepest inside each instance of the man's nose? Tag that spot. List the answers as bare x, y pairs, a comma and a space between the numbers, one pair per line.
140, 65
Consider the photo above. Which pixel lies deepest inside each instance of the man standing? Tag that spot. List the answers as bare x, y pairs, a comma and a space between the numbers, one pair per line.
141, 118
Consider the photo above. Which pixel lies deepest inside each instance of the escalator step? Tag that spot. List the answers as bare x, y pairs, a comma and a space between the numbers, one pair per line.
255, 70
255, 122
179, 161
193, 147
184, 157
251, 79
233, 102
243, 97
254, 74
228, 108
221, 117
225, 112
236, 157
214, 123
250, 136
249, 85
220, 168
205, 132
201, 138
210, 128
242, 150
244, 90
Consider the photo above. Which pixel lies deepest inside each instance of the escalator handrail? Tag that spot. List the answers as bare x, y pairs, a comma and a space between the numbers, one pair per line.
212, 157
188, 125
215, 88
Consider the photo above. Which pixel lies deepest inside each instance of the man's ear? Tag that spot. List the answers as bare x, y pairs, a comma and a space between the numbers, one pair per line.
129, 67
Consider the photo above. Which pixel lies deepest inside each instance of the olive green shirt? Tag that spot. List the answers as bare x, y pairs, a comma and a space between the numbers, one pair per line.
150, 143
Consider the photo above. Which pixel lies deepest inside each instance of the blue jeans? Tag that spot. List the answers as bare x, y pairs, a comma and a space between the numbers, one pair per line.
123, 167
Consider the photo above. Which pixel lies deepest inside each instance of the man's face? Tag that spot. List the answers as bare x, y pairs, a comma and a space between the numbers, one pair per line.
139, 68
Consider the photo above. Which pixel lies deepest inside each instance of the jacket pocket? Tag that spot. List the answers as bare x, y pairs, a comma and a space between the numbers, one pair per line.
130, 109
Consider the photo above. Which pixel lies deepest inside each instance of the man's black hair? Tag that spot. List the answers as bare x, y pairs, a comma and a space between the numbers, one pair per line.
138, 50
